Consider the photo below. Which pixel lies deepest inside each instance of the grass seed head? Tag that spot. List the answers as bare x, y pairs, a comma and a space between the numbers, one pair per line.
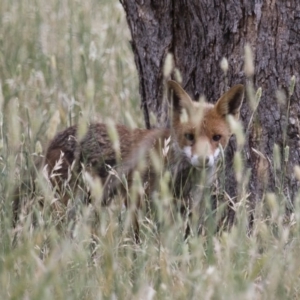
249, 61
224, 65
14, 128
53, 124
169, 65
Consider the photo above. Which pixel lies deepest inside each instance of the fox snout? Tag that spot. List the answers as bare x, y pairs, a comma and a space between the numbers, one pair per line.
201, 155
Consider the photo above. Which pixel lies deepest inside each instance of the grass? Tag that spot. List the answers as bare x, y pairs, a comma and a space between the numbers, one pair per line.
63, 62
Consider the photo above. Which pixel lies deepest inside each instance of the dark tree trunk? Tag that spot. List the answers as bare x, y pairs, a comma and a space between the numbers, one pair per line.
150, 23
200, 33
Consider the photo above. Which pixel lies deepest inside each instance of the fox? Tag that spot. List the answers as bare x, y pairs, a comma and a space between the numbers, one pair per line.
196, 132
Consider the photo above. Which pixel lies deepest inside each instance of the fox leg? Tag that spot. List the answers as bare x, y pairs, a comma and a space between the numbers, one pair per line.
136, 227
186, 213
133, 209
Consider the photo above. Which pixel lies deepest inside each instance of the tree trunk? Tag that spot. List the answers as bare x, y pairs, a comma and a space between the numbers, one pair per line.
200, 33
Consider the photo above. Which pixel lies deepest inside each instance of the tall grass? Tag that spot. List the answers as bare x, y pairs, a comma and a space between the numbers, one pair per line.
63, 62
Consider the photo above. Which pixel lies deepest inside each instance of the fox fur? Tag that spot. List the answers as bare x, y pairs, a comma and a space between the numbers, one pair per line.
196, 133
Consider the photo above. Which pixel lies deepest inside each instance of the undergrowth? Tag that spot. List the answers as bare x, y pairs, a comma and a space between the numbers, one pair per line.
64, 62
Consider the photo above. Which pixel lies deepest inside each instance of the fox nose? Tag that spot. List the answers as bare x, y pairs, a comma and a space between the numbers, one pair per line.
206, 161
203, 161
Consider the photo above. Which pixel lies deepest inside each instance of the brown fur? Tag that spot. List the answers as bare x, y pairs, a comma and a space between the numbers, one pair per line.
194, 125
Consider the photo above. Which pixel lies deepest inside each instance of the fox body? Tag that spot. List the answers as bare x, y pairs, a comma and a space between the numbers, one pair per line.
192, 143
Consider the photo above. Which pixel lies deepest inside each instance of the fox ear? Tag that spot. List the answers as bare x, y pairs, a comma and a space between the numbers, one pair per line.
230, 103
181, 99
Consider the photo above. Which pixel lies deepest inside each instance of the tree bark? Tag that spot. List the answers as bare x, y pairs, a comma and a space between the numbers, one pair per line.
200, 33
150, 23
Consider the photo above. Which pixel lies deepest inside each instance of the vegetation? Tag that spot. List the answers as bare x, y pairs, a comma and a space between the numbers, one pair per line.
63, 62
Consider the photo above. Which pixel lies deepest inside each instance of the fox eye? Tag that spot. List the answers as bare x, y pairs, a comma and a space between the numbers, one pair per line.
189, 136
216, 137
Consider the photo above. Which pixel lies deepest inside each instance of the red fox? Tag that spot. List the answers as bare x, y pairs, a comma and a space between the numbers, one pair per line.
195, 136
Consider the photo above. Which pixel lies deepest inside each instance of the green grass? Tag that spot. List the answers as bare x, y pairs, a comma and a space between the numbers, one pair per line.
62, 62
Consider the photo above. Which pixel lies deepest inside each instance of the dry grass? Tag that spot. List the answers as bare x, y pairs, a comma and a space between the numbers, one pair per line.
63, 62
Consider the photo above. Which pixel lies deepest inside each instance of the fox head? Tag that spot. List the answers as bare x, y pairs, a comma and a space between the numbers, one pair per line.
200, 128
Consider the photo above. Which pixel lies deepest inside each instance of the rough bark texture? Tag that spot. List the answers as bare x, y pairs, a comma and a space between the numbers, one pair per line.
150, 23
200, 33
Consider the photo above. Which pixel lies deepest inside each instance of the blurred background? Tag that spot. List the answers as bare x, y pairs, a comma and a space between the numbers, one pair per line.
63, 58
